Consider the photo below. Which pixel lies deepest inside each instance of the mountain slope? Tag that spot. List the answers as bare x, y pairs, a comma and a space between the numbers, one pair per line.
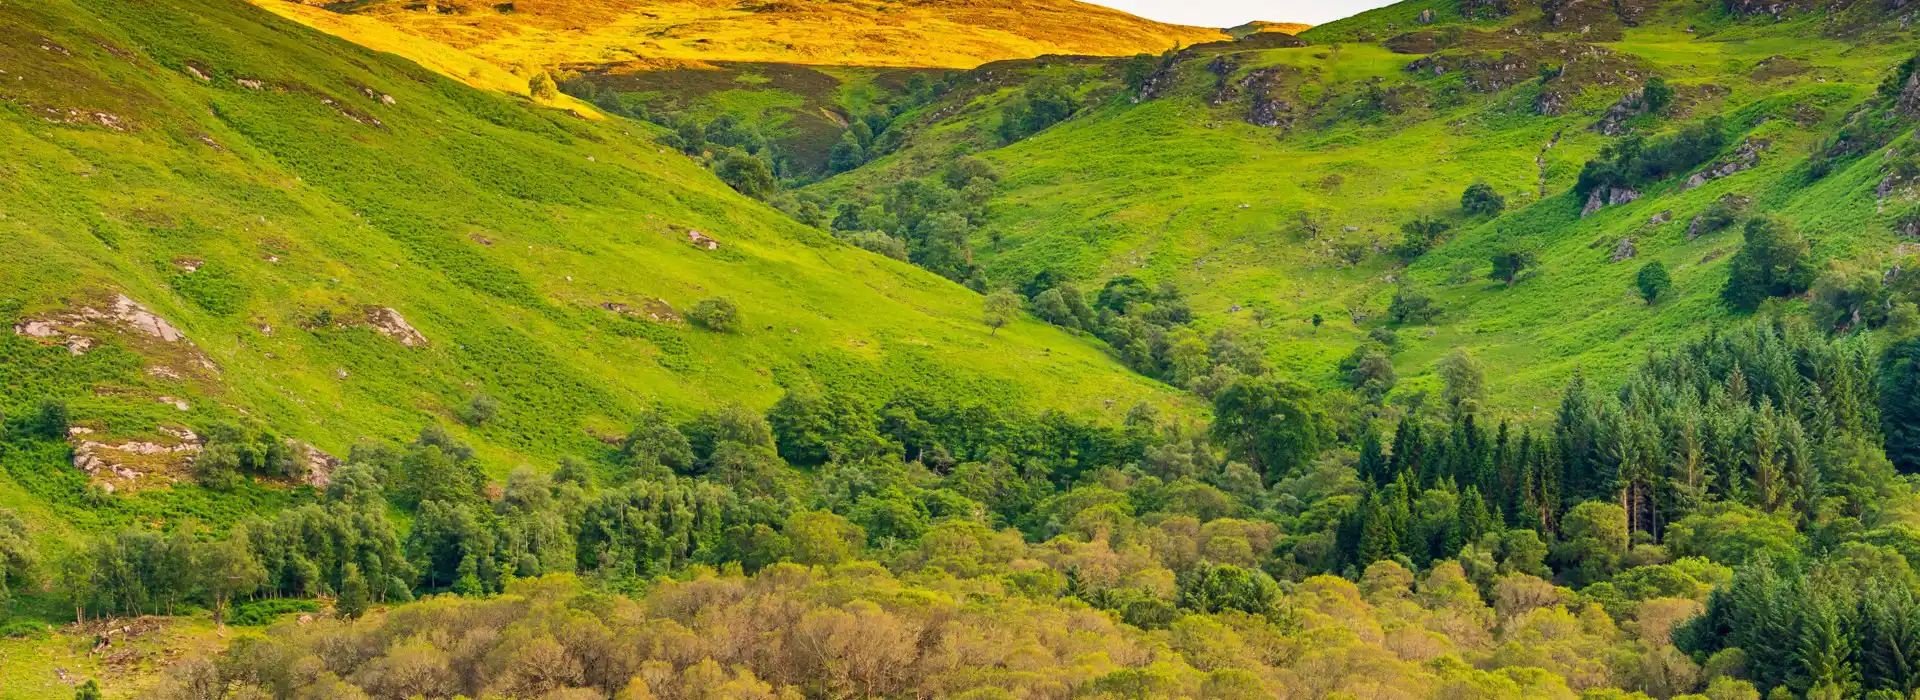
865, 33
1277, 180
214, 214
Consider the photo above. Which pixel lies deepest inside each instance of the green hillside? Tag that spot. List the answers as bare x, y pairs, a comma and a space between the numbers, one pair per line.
1278, 179
1559, 349
271, 192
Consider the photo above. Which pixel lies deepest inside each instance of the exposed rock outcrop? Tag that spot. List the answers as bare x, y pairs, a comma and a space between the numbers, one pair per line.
391, 324
1603, 197
1717, 218
1624, 250
1742, 159
318, 465
1160, 81
1614, 122
1908, 103
82, 327
1265, 107
1224, 88
131, 464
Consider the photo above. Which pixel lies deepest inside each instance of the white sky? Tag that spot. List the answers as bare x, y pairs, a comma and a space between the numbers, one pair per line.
1227, 13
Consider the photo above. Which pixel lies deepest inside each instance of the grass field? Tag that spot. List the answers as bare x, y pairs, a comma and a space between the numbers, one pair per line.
269, 192
1252, 217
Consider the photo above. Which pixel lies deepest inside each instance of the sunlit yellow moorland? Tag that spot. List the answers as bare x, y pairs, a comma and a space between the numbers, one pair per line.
821, 32
1010, 350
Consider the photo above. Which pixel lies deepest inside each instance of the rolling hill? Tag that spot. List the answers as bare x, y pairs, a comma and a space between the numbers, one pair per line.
218, 215
1462, 348
1277, 179
538, 33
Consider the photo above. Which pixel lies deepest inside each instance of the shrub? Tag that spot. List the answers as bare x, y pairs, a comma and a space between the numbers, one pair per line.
1419, 236
748, 175
999, 308
876, 242
1410, 305
1657, 94
1772, 262
1480, 199
716, 314
1044, 104
478, 410
23, 629
1508, 265
1635, 161
49, 420
1652, 281
542, 87
263, 612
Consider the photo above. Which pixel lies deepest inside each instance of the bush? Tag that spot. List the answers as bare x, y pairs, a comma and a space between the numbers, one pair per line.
1772, 262
1045, 104
716, 314
1635, 161
1652, 281
1419, 236
23, 629
49, 420
542, 87
1508, 265
1657, 94
1410, 305
748, 175
876, 242
1480, 199
260, 613
478, 410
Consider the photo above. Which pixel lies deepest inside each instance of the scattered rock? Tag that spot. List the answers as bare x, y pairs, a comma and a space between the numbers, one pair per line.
1485, 9
1908, 225
319, 465
656, 310
1263, 88
702, 240
1607, 197
1161, 81
144, 320
84, 117
1426, 17
1625, 250
1660, 218
1740, 160
1908, 103
197, 75
250, 84
1224, 88
1614, 122
130, 464
391, 324
176, 403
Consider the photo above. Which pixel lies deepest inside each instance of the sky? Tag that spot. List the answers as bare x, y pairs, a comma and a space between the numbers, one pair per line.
1227, 13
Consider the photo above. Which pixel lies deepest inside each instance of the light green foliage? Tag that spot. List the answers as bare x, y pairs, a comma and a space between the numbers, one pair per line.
1772, 262
718, 314
999, 309
1652, 281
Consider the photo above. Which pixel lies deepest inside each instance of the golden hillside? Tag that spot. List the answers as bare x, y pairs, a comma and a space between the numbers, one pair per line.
940, 34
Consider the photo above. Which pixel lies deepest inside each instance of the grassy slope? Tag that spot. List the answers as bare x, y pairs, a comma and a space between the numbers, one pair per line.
948, 35
496, 228
1176, 189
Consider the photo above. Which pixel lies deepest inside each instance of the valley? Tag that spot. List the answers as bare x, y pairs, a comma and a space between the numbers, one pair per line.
998, 349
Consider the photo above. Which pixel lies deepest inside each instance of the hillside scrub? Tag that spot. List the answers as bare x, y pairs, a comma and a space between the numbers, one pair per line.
1145, 529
